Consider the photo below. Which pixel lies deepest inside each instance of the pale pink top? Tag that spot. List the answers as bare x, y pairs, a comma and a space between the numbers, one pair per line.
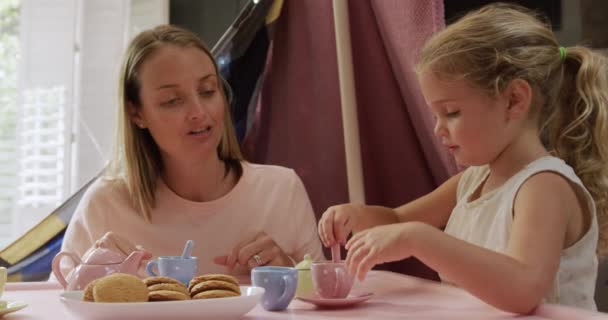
268, 199
487, 221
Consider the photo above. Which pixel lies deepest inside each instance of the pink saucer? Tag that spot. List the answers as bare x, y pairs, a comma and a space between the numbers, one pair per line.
351, 300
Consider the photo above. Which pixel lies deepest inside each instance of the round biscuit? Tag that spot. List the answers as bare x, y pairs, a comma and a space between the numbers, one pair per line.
169, 287
167, 295
88, 292
211, 294
214, 285
120, 287
160, 279
206, 277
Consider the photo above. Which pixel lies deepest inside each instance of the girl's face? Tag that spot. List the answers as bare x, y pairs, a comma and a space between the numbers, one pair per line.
181, 102
469, 122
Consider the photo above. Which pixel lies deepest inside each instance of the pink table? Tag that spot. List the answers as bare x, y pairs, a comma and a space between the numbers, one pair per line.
396, 296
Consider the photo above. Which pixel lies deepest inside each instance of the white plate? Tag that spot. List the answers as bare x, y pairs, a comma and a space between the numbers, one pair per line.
220, 308
12, 307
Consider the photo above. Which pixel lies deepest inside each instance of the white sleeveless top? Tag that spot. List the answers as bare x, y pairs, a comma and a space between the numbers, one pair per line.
487, 222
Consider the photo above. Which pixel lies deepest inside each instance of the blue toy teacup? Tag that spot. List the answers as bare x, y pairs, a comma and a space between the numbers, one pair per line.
280, 284
176, 267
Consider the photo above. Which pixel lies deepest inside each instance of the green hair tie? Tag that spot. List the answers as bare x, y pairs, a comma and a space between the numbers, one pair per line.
562, 53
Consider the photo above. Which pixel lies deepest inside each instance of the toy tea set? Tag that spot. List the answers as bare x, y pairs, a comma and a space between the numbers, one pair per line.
115, 287
106, 258
325, 284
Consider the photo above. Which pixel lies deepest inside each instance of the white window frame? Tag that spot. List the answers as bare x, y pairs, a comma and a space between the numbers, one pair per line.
78, 45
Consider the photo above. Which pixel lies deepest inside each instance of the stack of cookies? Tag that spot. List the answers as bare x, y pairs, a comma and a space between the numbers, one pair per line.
166, 289
117, 287
120, 287
214, 286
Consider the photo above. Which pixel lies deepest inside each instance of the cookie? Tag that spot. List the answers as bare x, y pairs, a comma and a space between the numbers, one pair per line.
166, 289
120, 287
169, 287
211, 286
214, 285
211, 294
167, 295
160, 279
88, 292
206, 277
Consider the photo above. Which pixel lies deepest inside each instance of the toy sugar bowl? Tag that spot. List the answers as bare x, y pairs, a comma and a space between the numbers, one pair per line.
305, 286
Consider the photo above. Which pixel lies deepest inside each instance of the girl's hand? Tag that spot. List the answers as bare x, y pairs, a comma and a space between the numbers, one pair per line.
338, 222
260, 250
381, 244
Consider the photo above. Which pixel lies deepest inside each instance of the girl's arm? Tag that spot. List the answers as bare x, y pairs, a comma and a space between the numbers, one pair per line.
433, 208
515, 281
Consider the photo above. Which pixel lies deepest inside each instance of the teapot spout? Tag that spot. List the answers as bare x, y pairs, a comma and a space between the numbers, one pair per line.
134, 261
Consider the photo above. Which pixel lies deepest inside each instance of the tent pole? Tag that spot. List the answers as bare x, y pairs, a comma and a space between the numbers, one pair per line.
354, 169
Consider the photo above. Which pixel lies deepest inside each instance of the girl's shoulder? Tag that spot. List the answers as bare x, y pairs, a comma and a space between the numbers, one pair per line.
549, 164
553, 165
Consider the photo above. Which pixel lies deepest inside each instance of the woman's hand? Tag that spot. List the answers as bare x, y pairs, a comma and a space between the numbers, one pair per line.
381, 244
260, 250
337, 222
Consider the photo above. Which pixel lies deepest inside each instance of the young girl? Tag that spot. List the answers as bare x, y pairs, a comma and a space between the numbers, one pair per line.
530, 119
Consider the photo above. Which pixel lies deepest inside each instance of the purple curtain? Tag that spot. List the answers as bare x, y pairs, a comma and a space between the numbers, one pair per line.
298, 122
298, 119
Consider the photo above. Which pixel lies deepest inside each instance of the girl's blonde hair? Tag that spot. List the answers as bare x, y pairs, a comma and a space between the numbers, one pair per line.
498, 43
137, 162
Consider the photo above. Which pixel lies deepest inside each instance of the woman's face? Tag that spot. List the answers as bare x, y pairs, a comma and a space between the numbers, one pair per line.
181, 103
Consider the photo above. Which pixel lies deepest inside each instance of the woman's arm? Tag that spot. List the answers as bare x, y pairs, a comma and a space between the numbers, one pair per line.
85, 226
292, 236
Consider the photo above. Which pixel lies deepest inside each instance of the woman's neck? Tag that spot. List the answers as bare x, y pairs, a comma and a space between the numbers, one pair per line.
201, 180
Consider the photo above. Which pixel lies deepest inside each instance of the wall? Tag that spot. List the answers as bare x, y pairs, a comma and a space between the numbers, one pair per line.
101, 46
208, 18
571, 31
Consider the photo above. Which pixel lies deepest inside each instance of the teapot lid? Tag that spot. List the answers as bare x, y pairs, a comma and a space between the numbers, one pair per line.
103, 256
305, 264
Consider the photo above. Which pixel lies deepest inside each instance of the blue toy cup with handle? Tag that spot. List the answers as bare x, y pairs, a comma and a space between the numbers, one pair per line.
176, 267
280, 285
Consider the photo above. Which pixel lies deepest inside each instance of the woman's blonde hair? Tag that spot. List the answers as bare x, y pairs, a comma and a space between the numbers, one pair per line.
137, 162
498, 43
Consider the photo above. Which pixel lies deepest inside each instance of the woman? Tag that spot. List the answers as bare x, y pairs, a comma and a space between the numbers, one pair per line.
178, 173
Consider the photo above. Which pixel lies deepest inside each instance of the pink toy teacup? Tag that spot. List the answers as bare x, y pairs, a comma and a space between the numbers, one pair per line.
331, 279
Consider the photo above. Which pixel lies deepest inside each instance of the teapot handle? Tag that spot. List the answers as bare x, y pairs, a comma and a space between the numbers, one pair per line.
57, 266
